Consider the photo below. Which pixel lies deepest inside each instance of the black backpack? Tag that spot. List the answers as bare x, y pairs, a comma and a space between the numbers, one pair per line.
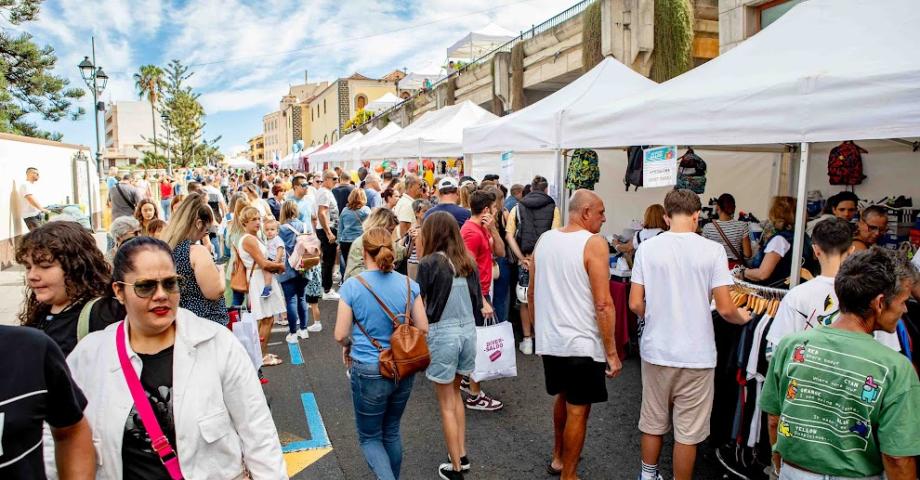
691, 172
634, 167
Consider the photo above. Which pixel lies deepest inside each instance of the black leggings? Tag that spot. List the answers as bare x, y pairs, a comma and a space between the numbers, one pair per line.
329, 251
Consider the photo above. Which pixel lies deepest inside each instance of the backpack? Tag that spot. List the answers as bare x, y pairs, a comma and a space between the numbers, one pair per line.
845, 165
583, 171
691, 173
634, 167
83, 319
306, 254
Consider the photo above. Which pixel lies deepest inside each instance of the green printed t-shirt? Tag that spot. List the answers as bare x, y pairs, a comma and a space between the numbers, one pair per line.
842, 399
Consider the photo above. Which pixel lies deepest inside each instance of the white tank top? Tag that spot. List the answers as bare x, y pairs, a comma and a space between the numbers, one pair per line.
565, 323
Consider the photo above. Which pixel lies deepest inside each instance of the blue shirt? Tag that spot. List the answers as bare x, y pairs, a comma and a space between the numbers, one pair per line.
350, 223
111, 182
510, 203
391, 288
373, 198
460, 214
306, 208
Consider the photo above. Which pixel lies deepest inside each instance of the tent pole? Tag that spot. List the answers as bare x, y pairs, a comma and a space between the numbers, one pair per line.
800, 204
560, 187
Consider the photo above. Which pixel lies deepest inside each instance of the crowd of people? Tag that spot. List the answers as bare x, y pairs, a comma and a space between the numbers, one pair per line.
139, 365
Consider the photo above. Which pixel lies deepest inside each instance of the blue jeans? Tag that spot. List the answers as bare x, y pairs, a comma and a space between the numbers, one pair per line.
501, 290
379, 405
295, 300
164, 205
238, 299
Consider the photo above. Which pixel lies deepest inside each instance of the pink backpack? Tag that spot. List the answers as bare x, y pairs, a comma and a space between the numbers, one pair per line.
306, 254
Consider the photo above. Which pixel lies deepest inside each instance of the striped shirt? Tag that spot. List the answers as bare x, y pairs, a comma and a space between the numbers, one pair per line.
734, 230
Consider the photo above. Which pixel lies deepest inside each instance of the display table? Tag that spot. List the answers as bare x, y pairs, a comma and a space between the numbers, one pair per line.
619, 290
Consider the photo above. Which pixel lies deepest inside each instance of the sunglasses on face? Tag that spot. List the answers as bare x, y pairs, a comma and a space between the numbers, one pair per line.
303, 185
147, 288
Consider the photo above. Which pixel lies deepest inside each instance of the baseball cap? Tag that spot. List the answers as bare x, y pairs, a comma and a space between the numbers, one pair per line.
447, 182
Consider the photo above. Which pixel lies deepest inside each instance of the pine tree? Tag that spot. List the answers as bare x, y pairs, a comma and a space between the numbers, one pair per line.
27, 84
186, 120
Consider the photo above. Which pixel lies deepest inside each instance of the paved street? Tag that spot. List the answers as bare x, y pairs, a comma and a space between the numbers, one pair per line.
514, 443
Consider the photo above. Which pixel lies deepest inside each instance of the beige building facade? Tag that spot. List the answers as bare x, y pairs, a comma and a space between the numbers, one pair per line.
257, 149
284, 127
740, 19
271, 133
129, 132
325, 115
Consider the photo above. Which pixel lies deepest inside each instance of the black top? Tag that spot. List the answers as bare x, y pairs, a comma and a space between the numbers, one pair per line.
435, 278
62, 327
190, 296
35, 386
275, 206
138, 458
341, 194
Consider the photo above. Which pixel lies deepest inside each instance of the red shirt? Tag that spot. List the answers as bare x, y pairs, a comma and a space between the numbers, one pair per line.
165, 190
478, 241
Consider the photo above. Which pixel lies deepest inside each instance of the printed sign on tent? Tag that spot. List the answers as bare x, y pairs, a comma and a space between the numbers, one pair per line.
507, 167
659, 166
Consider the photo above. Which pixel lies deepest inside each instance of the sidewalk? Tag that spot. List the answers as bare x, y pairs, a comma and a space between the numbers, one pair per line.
11, 294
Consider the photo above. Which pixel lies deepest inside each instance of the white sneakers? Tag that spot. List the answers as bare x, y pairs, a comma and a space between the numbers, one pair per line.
303, 334
315, 328
526, 346
291, 338
331, 295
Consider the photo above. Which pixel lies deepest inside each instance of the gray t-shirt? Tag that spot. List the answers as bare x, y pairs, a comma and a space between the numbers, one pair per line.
123, 198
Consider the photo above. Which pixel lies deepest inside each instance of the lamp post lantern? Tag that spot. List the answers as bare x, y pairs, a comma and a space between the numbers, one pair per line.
165, 117
95, 79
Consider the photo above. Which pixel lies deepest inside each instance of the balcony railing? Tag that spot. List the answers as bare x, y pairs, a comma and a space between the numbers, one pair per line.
525, 35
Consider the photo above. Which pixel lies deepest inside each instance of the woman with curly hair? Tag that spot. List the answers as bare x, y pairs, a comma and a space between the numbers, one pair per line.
65, 275
146, 212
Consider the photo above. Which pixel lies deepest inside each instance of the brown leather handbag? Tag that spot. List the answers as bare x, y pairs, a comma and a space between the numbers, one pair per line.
239, 282
408, 352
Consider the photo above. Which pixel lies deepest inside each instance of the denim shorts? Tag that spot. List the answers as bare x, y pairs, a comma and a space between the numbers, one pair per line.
452, 344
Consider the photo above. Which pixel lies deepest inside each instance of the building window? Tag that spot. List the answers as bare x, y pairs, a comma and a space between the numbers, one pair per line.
405, 95
324, 105
360, 102
771, 11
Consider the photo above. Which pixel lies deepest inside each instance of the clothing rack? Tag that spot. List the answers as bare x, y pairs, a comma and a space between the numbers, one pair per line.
760, 289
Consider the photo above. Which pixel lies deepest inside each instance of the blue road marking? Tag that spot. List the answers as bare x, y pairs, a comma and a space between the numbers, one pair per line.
318, 436
296, 355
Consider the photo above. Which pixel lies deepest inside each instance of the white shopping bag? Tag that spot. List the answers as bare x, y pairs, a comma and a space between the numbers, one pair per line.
247, 332
495, 356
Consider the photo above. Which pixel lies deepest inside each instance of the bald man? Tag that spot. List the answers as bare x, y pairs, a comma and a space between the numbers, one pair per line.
574, 322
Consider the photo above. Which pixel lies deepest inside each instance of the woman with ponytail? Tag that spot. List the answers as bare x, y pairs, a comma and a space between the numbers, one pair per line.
378, 402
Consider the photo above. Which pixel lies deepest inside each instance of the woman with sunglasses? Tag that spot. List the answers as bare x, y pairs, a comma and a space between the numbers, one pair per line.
253, 254
66, 276
187, 234
198, 379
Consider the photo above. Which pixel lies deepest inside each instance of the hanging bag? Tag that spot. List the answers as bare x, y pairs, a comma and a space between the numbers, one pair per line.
158, 440
691, 172
239, 281
408, 352
495, 356
845, 164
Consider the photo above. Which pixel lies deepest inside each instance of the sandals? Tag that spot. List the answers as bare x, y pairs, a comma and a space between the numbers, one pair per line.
271, 360
552, 470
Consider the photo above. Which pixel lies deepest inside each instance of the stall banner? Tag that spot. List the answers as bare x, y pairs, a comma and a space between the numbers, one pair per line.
507, 164
659, 167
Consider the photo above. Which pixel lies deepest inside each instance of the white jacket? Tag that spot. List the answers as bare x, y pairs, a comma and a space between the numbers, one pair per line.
221, 416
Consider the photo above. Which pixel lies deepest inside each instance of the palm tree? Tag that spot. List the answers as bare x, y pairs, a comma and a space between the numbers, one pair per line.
150, 82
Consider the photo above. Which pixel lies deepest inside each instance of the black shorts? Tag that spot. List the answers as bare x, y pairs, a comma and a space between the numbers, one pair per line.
581, 379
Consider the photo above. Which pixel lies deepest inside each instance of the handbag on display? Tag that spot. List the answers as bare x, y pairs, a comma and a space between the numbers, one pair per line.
495, 357
408, 352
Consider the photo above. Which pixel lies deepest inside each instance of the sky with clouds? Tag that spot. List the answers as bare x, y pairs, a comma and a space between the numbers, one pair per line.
245, 53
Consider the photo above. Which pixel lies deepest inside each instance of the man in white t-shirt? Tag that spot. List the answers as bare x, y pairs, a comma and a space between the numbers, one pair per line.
814, 303
403, 210
674, 277
30, 209
328, 216
570, 291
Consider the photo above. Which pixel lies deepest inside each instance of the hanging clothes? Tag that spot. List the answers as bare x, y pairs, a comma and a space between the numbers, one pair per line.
583, 171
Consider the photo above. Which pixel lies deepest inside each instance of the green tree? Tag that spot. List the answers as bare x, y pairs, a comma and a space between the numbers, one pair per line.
27, 84
150, 82
187, 147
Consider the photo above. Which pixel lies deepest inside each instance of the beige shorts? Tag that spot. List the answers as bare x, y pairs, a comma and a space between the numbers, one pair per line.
684, 394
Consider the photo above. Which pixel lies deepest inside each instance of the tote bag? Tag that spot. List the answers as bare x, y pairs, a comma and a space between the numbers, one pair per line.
495, 356
247, 332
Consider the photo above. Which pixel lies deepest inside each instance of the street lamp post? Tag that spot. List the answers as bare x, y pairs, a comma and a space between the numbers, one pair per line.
165, 117
95, 80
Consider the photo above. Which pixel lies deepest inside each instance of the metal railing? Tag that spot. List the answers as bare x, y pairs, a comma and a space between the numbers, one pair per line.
525, 35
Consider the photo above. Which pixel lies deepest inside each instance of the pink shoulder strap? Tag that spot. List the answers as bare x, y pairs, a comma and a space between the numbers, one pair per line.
159, 442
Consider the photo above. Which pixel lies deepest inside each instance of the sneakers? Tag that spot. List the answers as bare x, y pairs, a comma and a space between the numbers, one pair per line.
446, 471
281, 322
315, 328
331, 295
526, 346
659, 477
464, 463
465, 385
266, 292
305, 334
291, 338
483, 403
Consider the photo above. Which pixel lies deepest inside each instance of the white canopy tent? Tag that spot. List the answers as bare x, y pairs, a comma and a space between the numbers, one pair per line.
416, 81
797, 81
336, 149
438, 133
477, 44
344, 152
373, 137
241, 162
383, 103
